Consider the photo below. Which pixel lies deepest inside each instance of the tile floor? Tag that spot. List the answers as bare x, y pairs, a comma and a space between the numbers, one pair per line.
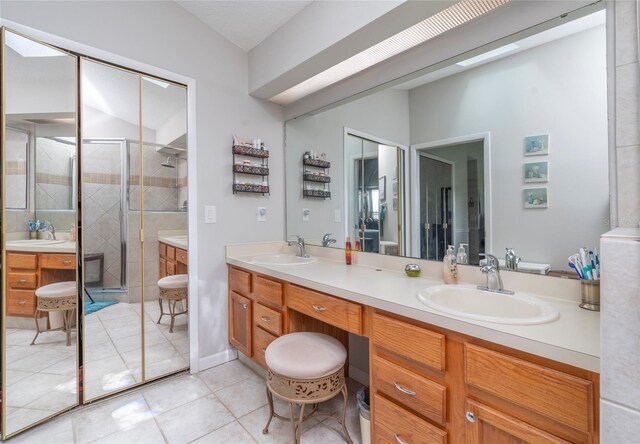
224, 404
41, 378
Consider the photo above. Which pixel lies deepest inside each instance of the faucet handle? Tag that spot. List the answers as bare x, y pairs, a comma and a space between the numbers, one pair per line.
492, 261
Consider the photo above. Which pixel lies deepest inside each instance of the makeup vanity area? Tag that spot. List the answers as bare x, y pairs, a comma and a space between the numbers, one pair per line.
432, 376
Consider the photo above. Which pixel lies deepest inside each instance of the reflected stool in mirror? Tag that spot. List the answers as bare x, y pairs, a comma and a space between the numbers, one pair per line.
173, 289
306, 368
61, 297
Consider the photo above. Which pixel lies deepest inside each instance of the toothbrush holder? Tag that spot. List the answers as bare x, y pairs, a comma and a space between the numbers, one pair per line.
590, 291
33, 235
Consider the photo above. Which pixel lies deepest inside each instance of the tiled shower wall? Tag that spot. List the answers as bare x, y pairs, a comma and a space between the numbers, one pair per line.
54, 174
620, 317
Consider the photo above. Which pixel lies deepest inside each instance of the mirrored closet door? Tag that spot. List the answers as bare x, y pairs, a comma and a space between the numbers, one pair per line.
94, 234
39, 272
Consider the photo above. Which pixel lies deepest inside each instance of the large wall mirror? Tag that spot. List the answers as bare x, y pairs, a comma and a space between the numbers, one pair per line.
111, 210
504, 147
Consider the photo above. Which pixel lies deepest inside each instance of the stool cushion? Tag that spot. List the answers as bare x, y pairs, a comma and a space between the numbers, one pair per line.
57, 290
175, 281
305, 355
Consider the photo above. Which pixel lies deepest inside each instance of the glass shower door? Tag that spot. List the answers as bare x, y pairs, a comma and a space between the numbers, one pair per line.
436, 207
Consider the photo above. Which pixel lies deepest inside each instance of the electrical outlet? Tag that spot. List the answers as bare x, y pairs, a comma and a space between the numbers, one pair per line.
306, 212
336, 216
262, 214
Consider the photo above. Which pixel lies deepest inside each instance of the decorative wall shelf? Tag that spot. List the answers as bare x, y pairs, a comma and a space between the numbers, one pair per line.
315, 172
246, 170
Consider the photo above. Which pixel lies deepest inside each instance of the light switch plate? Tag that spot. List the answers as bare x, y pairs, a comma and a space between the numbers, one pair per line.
262, 214
210, 214
306, 212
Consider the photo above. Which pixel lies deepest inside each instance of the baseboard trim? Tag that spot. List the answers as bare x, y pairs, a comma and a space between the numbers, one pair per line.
217, 359
359, 375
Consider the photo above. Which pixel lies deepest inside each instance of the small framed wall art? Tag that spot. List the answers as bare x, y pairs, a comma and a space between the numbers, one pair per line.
536, 172
535, 198
536, 145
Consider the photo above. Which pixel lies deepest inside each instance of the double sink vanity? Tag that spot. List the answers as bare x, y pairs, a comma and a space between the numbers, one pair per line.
446, 363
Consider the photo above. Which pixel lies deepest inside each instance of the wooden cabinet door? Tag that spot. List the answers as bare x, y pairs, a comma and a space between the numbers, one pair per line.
163, 268
488, 426
240, 322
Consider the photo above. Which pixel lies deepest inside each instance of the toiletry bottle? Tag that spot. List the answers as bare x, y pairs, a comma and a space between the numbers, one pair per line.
358, 244
462, 257
347, 251
450, 267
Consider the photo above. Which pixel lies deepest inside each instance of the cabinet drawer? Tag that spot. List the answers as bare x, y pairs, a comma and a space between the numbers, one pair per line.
182, 257
413, 343
171, 268
268, 319
27, 281
268, 291
261, 340
556, 395
422, 395
58, 261
21, 302
163, 249
171, 252
163, 268
239, 281
393, 424
337, 312
22, 261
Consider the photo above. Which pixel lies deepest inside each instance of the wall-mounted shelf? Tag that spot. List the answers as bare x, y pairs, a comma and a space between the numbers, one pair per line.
315, 173
245, 170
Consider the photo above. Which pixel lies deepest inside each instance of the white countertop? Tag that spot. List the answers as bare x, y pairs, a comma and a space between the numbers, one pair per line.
175, 238
36, 247
573, 339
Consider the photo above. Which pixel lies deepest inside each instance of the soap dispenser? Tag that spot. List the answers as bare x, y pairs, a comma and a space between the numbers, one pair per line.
462, 257
450, 270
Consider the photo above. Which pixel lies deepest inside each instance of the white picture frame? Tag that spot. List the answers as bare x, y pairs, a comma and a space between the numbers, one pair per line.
537, 145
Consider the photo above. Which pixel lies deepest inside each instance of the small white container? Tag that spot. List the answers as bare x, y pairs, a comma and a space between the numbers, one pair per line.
365, 429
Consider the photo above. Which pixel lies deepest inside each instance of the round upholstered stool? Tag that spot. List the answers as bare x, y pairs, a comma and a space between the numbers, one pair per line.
60, 296
305, 368
173, 289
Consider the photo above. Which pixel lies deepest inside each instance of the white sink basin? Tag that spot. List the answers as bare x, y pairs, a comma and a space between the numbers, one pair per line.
469, 302
25, 242
282, 259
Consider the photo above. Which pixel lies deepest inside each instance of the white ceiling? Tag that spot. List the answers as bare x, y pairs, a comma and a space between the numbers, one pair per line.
244, 22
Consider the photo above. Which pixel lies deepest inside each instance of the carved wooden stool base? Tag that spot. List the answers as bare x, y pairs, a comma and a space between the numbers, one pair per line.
65, 304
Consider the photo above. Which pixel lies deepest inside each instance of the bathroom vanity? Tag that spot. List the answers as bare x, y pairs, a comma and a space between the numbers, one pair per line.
173, 255
432, 377
27, 271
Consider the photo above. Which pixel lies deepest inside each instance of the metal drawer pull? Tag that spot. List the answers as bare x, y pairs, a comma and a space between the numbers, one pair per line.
265, 319
245, 306
22, 302
318, 308
404, 390
66, 261
399, 440
470, 417
22, 281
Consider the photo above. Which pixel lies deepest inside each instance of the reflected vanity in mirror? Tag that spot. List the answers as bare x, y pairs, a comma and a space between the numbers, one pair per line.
40, 374
506, 149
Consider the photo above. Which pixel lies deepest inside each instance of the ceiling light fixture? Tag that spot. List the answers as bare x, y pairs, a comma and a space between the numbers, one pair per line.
489, 55
29, 48
445, 20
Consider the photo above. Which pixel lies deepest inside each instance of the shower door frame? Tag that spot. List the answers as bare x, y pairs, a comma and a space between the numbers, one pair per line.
124, 206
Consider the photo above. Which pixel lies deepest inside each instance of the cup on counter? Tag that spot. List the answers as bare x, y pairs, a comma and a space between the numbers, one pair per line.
590, 291
33, 235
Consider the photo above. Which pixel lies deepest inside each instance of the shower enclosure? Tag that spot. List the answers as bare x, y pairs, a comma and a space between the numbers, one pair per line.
109, 202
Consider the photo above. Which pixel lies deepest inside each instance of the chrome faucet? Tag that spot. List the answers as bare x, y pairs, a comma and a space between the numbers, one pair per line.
302, 252
327, 240
511, 261
51, 231
492, 270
